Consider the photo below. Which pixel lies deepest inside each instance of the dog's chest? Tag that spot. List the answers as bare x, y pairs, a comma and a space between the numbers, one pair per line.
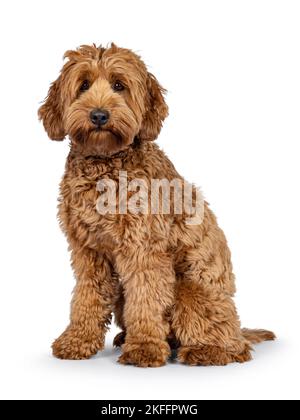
81, 218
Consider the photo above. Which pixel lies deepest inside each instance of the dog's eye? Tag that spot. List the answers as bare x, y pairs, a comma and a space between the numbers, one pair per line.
84, 85
118, 86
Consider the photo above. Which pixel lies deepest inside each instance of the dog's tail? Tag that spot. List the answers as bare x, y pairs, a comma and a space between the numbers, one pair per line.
258, 336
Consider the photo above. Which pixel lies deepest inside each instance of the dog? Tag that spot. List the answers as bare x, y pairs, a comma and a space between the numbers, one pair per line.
169, 283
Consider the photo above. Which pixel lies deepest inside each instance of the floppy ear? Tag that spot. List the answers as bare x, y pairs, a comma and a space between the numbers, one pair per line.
51, 112
156, 110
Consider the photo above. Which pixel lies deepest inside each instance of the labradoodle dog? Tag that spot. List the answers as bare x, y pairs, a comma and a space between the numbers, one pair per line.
169, 283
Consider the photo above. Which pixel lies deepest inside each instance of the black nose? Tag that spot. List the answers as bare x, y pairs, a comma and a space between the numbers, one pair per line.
99, 116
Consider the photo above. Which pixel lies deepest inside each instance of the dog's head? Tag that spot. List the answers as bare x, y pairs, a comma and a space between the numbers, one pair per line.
103, 99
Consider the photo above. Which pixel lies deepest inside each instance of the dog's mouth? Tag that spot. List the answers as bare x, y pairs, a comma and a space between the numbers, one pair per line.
105, 134
98, 129
97, 134
96, 141
105, 131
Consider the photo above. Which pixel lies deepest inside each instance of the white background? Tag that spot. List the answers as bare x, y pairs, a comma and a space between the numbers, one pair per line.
232, 69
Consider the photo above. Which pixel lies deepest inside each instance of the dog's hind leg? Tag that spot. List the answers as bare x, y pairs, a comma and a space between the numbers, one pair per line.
205, 320
206, 324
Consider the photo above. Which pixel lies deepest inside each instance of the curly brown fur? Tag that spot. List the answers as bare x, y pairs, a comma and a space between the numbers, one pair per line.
170, 284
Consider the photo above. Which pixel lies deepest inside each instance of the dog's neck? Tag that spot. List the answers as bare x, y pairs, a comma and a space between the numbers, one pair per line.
76, 152
94, 167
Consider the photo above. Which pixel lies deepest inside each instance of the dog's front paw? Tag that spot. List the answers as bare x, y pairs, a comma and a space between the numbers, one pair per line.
145, 354
76, 344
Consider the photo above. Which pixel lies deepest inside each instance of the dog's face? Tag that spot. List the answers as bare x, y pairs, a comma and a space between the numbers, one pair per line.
103, 99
